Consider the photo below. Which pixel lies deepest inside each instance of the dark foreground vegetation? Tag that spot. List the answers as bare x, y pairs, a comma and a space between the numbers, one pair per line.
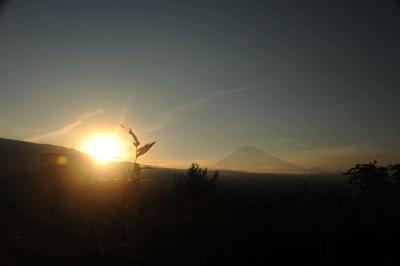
55, 220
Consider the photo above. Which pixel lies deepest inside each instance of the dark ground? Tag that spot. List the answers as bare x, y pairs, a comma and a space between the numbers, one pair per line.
246, 219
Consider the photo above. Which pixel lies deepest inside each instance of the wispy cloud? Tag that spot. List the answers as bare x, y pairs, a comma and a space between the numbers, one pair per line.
170, 114
235, 90
89, 114
66, 128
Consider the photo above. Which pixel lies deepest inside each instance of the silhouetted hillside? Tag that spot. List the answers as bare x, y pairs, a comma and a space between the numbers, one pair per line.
18, 157
11, 146
252, 159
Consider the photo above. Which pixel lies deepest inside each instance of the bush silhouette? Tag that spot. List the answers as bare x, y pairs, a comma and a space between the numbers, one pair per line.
195, 191
394, 174
196, 183
370, 176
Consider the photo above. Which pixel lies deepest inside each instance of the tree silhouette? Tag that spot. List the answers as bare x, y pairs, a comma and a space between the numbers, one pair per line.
195, 182
195, 190
370, 176
394, 174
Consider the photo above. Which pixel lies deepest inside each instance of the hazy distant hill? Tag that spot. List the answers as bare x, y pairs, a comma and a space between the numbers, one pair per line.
252, 159
18, 157
11, 146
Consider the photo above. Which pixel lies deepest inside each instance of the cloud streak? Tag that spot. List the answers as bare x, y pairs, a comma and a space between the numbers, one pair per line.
170, 114
66, 128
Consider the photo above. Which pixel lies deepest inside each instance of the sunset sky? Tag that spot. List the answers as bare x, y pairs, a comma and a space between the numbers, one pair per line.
314, 82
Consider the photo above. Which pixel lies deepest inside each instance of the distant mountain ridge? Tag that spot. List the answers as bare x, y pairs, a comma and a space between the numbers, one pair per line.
19, 147
19, 157
251, 159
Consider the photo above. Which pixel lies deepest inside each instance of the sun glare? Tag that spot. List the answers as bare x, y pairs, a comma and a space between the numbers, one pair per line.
103, 148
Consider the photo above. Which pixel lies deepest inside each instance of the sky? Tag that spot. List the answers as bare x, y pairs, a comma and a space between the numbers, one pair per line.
313, 82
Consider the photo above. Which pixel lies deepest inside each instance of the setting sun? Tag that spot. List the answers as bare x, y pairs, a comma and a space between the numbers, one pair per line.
103, 148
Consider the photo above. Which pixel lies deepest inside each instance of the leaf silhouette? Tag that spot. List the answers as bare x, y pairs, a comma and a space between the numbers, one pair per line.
144, 149
136, 141
123, 126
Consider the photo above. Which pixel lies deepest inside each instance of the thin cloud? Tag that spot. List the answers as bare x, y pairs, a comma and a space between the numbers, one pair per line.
62, 131
89, 115
170, 114
235, 90
190, 105
65, 129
